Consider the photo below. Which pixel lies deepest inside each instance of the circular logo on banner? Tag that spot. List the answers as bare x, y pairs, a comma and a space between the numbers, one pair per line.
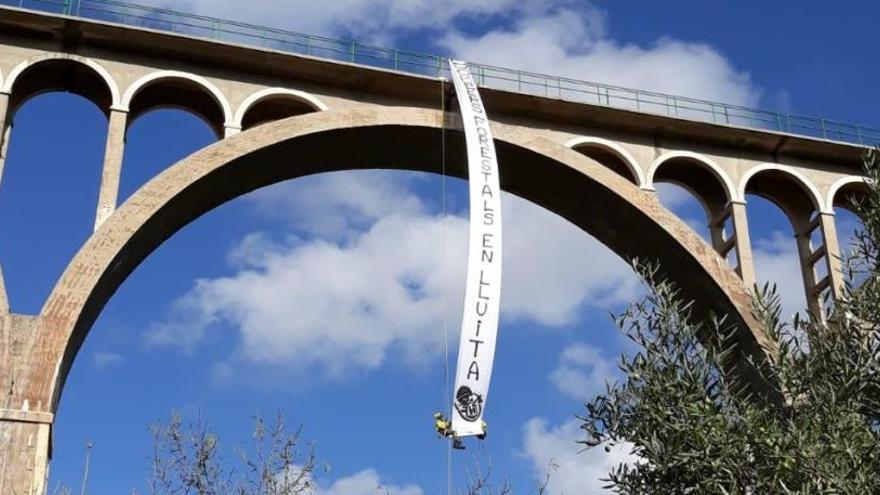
468, 404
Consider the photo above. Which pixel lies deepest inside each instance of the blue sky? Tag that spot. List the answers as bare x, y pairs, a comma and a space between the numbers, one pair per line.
212, 324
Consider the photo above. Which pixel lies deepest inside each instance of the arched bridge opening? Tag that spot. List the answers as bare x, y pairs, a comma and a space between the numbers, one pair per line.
627, 220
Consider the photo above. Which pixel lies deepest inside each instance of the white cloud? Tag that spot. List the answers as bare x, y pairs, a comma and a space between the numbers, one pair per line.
336, 307
582, 371
776, 261
366, 482
104, 359
344, 202
327, 305
369, 19
568, 43
552, 268
572, 470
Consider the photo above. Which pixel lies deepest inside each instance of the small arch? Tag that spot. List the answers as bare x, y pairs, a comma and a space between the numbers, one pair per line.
703, 160
57, 144
176, 89
610, 154
80, 78
798, 200
783, 197
296, 103
697, 174
841, 193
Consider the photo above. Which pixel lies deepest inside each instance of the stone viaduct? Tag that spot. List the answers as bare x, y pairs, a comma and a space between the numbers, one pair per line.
279, 116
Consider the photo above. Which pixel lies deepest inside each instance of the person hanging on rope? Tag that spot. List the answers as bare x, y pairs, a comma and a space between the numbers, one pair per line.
444, 429
442, 425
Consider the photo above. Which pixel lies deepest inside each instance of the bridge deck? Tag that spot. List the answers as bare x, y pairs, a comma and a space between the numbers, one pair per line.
496, 78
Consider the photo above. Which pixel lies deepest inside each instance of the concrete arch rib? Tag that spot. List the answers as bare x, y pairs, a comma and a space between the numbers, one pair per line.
264, 94
208, 86
622, 153
797, 177
15, 73
838, 185
713, 167
535, 168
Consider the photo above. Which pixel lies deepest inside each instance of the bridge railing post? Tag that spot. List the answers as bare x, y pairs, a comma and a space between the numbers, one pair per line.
71, 7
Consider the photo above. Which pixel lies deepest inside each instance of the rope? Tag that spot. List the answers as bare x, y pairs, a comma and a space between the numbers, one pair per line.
446, 401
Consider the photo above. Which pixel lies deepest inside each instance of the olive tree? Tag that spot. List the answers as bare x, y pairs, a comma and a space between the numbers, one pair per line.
693, 427
188, 460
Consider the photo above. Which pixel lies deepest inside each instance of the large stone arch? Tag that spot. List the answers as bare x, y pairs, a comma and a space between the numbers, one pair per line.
626, 219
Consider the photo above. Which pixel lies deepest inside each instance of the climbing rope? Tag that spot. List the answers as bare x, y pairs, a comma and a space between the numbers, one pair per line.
447, 403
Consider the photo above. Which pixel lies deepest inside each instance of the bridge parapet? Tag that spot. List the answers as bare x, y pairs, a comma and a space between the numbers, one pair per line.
499, 78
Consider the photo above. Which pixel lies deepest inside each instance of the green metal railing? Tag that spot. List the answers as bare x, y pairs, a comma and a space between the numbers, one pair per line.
435, 66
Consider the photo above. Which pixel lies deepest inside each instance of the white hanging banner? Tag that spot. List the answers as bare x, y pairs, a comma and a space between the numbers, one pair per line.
482, 297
